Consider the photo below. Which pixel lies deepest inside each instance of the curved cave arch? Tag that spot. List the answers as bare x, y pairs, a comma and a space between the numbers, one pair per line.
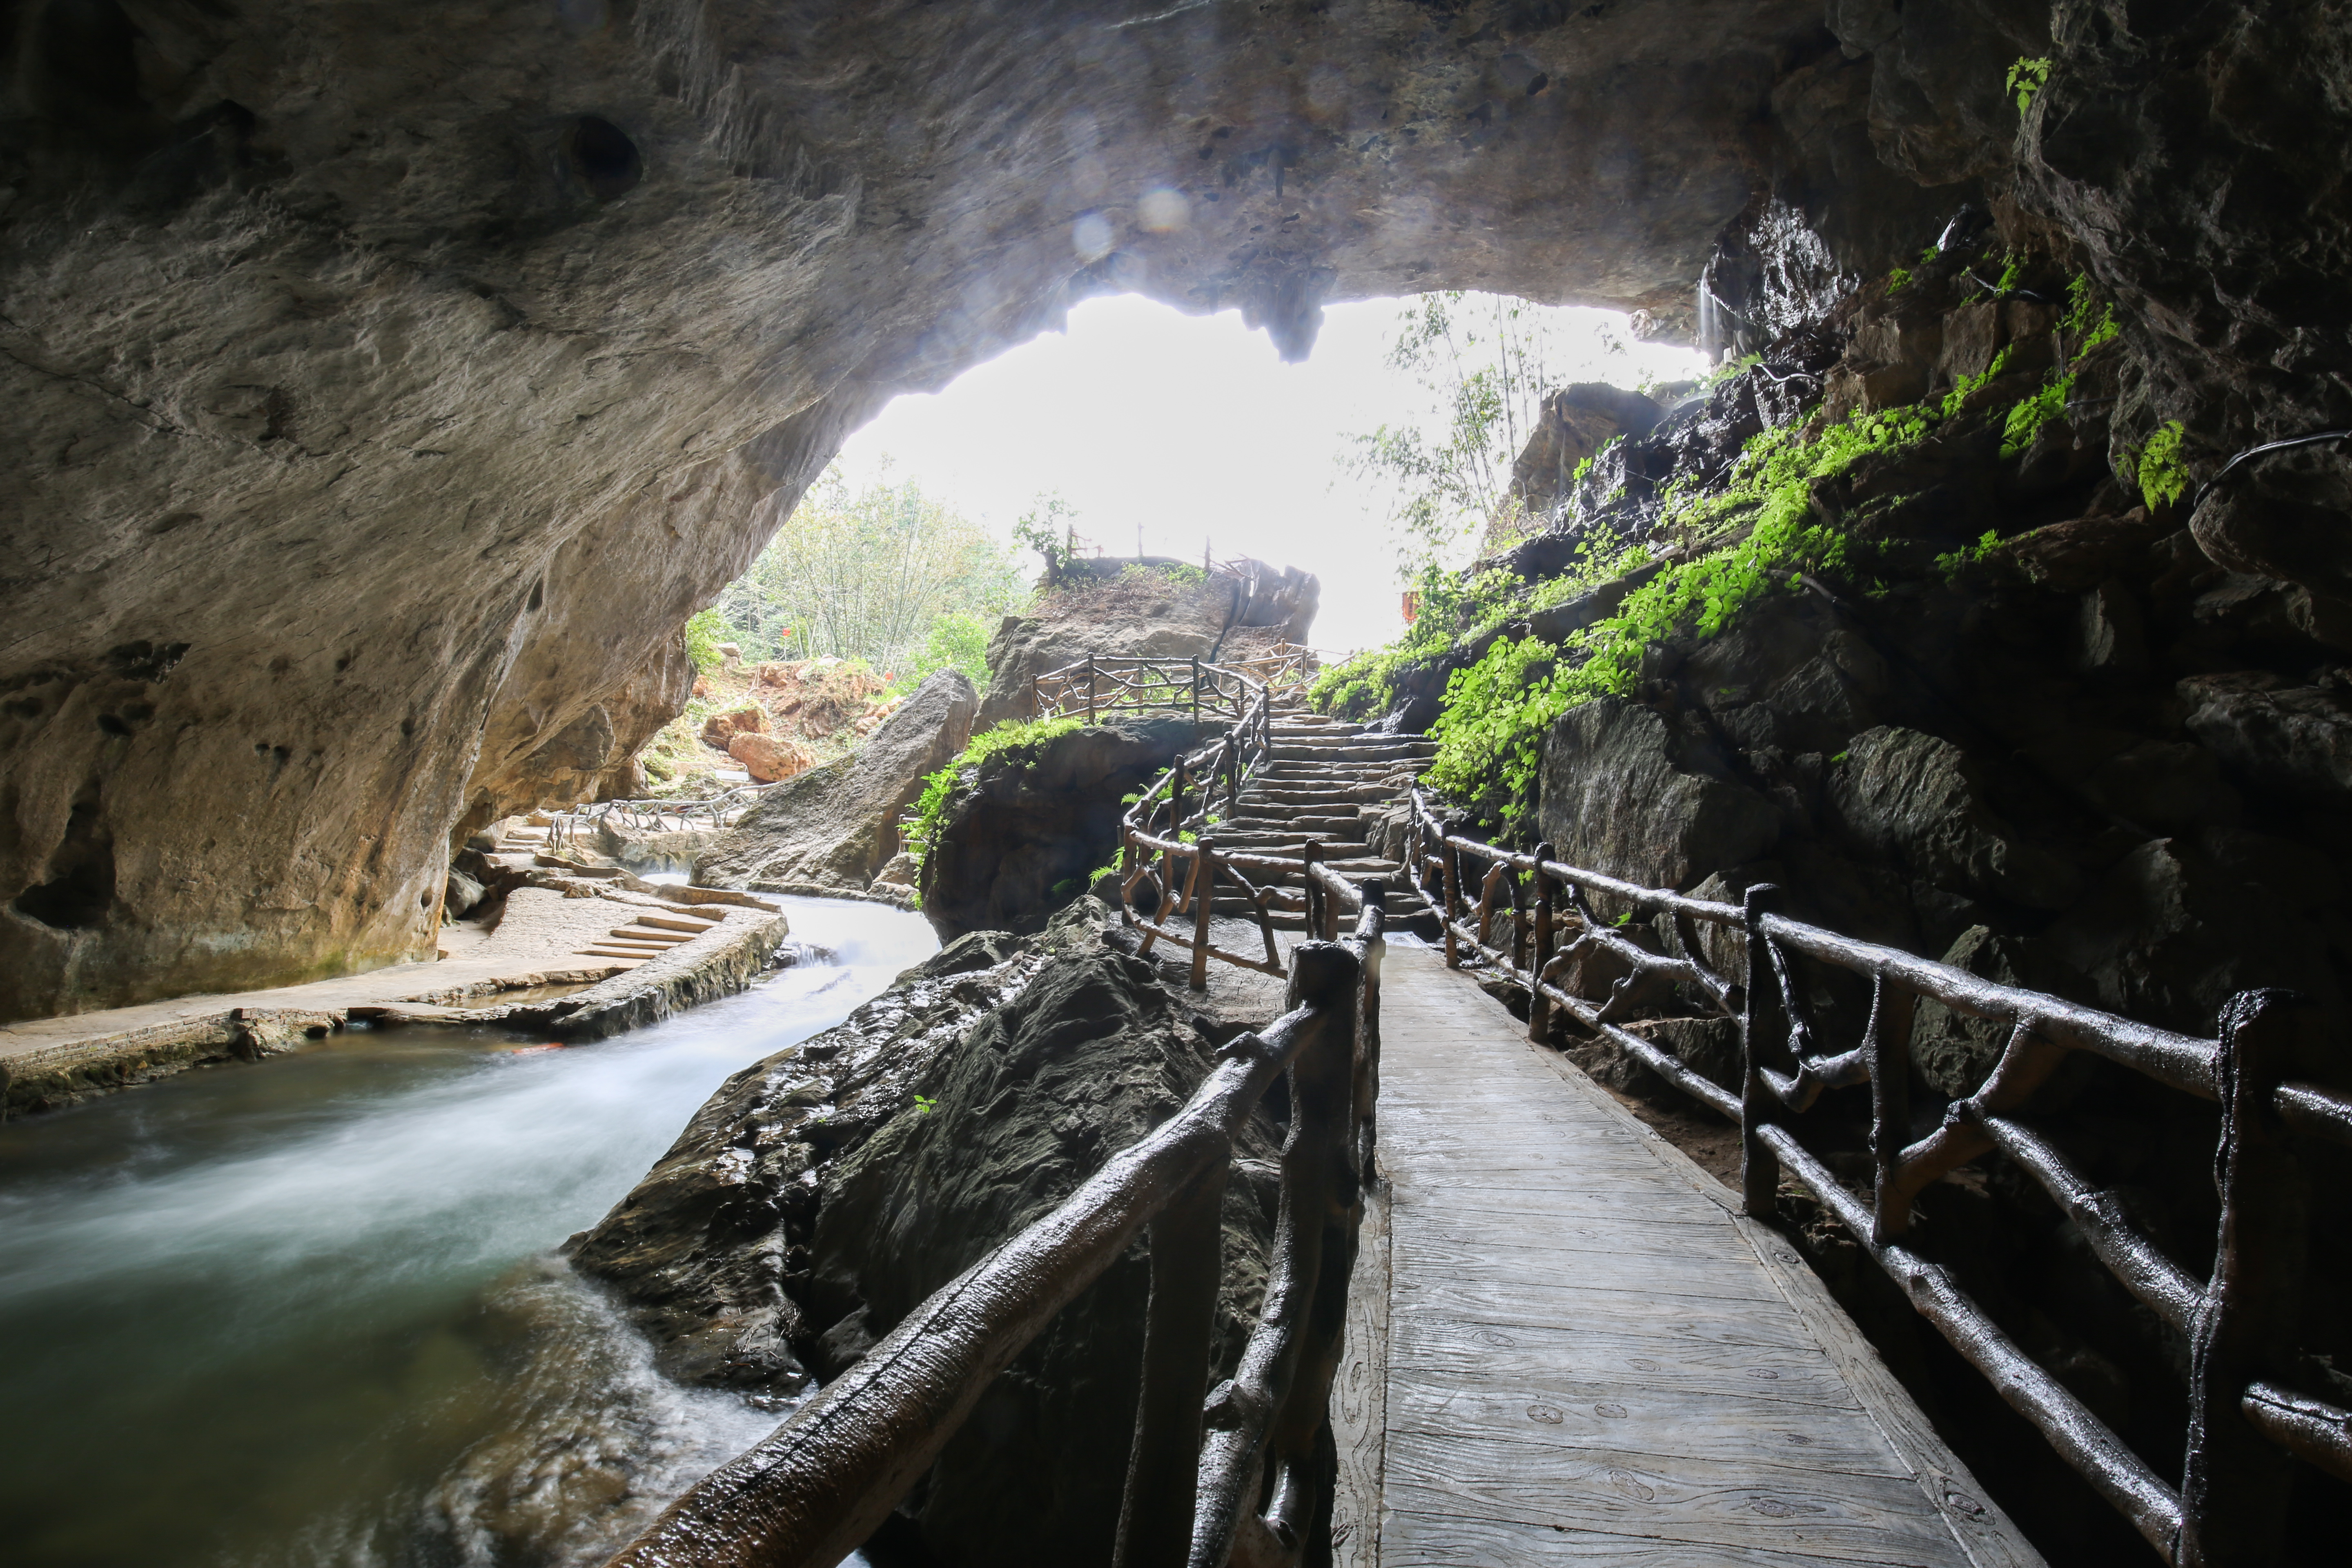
374, 397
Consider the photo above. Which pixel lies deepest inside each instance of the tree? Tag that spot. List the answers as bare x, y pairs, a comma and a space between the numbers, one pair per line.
867, 575
1484, 357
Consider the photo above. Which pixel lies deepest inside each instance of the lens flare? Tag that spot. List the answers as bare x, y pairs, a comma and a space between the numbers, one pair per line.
1163, 211
1090, 237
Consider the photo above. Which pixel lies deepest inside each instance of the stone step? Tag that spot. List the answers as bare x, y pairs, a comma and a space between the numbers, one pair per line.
1277, 796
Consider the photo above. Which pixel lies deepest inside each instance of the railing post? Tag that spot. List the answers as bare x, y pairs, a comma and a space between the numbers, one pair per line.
1449, 861
1204, 895
1889, 1037
1155, 1519
2234, 1492
1309, 856
1538, 1005
1196, 688
1764, 1031
1090, 689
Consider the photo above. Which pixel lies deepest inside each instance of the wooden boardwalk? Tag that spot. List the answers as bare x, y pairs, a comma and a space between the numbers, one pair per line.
1567, 1345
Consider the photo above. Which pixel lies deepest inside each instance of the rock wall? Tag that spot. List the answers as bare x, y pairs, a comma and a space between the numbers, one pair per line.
832, 828
1024, 833
389, 392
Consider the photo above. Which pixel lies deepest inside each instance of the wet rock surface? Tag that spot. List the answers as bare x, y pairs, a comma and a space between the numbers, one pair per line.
825, 1191
1025, 832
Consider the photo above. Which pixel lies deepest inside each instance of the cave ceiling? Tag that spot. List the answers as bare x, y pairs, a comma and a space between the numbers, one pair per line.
387, 382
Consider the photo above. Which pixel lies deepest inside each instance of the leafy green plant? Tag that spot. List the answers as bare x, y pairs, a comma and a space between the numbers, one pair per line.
2028, 77
923, 826
1897, 279
925, 1104
705, 630
2090, 331
1951, 565
1045, 527
956, 641
2163, 474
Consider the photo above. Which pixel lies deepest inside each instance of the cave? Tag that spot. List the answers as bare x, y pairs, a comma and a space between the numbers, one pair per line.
390, 385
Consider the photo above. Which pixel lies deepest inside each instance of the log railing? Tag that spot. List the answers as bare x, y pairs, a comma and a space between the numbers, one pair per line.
1510, 911
1099, 684
811, 1492
652, 815
1168, 838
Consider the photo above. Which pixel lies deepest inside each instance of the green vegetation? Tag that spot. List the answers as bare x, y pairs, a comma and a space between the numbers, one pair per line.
1483, 358
2081, 296
705, 630
1951, 565
925, 1104
937, 786
1045, 529
1898, 279
2163, 475
956, 641
867, 575
2028, 77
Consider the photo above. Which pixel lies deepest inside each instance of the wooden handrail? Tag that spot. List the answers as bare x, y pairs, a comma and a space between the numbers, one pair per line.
808, 1494
2242, 1323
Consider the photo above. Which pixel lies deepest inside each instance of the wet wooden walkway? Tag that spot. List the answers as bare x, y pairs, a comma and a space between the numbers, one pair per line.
1567, 1345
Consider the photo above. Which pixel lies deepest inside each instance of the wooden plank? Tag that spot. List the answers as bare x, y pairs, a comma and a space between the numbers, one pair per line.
1984, 1528
1858, 1518
1627, 1417
1417, 1540
1658, 1275
1578, 1247
1359, 1395
1590, 1360
1803, 1373
1633, 1313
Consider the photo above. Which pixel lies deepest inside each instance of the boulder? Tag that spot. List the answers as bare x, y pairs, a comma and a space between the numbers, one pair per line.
1160, 619
1023, 834
720, 729
1573, 423
834, 828
2293, 739
770, 759
2177, 925
1955, 1053
1623, 795
1082, 1064
816, 1199
1920, 800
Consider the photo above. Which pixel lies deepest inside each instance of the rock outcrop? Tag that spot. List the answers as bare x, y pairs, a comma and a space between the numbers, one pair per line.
389, 406
825, 1191
1023, 834
830, 829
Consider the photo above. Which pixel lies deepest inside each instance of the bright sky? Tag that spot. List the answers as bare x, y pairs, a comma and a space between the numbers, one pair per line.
1180, 429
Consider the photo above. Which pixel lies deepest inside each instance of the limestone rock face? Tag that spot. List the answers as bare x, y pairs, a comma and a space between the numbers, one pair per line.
1024, 833
835, 826
390, 396
1620, 795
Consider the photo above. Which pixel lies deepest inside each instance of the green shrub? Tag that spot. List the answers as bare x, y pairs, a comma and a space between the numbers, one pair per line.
956, 641
2028, 77
2163, 475
705, 630
939, 786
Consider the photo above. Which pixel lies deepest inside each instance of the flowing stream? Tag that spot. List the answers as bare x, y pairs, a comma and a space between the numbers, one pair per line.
306, 1312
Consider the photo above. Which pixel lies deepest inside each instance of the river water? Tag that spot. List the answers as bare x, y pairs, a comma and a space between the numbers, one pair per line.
306, 1311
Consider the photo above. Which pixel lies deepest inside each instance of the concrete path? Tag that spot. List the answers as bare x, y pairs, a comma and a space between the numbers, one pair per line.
545, 936
1567, 1346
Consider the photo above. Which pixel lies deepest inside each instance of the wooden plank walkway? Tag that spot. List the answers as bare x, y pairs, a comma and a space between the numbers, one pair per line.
1567, 1345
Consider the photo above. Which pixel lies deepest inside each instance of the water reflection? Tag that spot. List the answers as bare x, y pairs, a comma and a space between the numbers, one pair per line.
300, 1312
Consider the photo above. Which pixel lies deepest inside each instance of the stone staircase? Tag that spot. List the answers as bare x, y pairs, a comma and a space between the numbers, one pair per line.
1326, 772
